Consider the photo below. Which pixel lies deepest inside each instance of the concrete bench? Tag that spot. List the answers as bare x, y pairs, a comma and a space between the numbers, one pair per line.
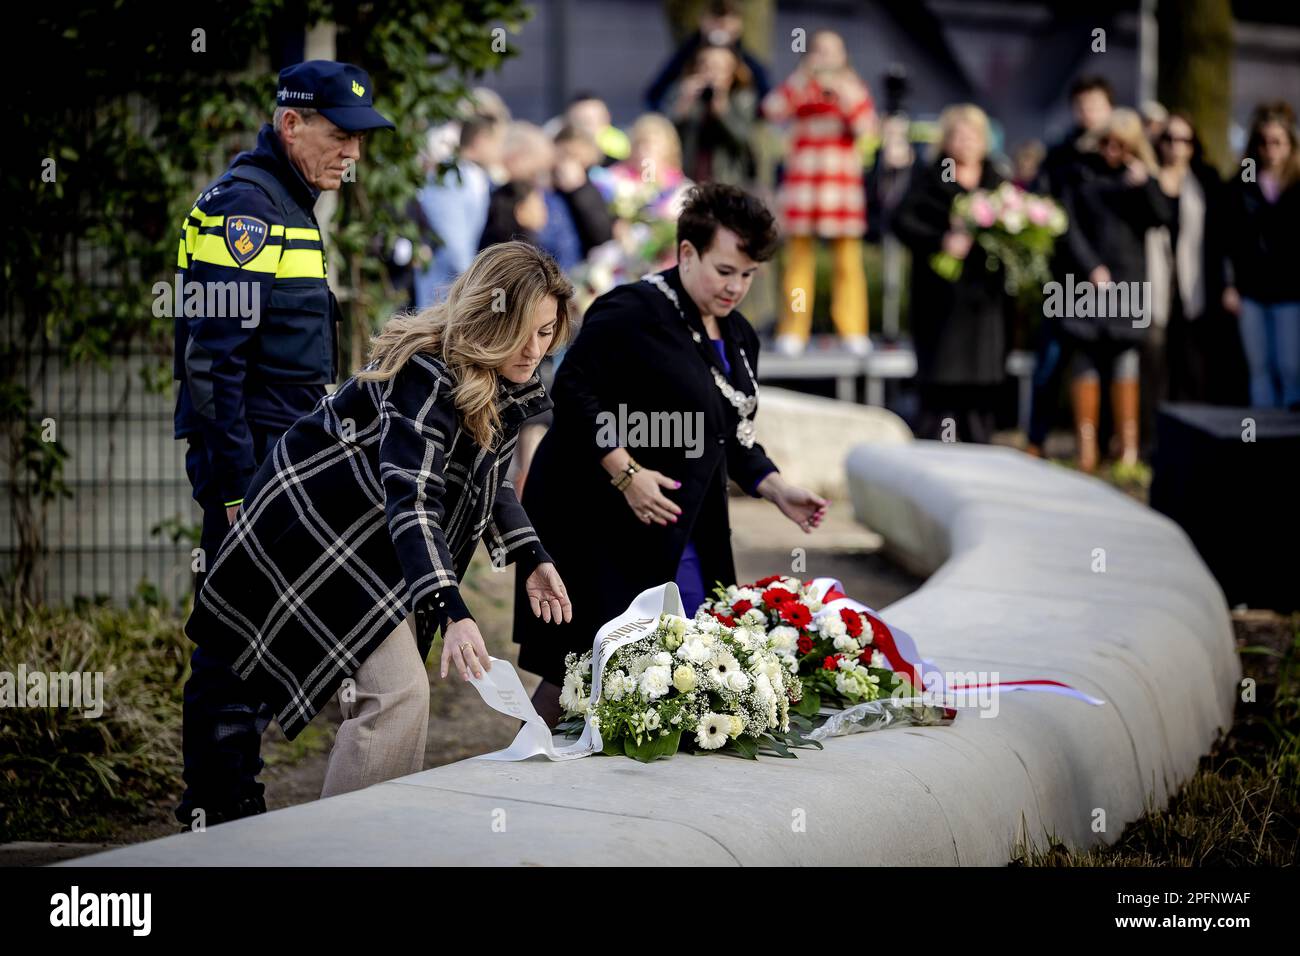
1010, 542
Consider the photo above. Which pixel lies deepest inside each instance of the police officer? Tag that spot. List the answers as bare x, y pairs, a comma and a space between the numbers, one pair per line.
255, 349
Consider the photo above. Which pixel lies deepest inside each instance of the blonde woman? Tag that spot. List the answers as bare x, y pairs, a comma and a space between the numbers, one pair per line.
346, 555
1113, 201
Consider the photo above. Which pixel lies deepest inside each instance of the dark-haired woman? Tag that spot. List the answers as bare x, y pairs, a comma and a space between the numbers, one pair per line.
1264, 244
654, 412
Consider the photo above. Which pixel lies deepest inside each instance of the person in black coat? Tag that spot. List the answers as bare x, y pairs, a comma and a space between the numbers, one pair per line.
1192, 353
1091, 103
1264, 246
958, 328
654, 408
1113, 202
347, 551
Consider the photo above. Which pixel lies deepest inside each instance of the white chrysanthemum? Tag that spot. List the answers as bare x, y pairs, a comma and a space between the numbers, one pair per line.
793, 585
752, 595
616, 685
754, 618
745, 638
832, 625
713, 731
707, 626
877, 659
651, 719
655, 681
783, 639
572, 698
663, 659
847, 645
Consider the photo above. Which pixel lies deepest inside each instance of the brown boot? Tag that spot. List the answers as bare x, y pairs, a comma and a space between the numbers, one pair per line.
1085, 396
1033, 451
1124, 402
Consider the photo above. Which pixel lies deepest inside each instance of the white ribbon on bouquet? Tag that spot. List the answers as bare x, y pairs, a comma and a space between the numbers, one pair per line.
501, 688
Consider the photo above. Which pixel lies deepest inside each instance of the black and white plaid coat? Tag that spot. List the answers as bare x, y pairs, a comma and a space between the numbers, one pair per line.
367, 508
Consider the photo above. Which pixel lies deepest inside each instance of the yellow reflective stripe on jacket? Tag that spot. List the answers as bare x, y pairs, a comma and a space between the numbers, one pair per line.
295, 232
212, 249
301, 264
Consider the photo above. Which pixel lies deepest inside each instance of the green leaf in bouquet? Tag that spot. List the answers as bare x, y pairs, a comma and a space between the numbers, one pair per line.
611, 746
744, 746
652, 747
808, 704
571, 727
800, 722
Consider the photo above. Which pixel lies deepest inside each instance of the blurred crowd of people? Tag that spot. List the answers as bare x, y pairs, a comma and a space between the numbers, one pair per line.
1144, 206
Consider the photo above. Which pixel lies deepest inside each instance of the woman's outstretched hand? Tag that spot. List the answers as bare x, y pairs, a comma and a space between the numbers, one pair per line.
798, 504
547, 595
462, 645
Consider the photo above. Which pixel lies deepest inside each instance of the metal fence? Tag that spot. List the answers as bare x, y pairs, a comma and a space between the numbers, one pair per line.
129, 520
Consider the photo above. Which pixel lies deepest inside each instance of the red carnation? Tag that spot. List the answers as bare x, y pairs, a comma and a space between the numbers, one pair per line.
832, 663
764, 582
741, 606
726, 619
805, 644
795, 613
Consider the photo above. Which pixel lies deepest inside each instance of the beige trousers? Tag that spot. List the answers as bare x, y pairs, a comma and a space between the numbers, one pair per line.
385, 717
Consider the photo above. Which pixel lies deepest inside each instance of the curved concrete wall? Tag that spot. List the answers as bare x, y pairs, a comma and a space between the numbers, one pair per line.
1011, 542
810, 436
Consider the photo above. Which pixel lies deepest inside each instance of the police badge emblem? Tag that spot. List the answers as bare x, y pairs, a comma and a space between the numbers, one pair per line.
245, 237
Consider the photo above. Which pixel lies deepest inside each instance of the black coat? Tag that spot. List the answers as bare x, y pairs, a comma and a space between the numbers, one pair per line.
1264, 241
634, 352
1109, 220
958, 328
367, 508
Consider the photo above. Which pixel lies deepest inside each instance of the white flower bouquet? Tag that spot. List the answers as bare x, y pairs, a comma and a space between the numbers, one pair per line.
694, 685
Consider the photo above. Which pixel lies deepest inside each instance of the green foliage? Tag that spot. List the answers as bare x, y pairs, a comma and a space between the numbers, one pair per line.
62, 771
1242, 807
131, 116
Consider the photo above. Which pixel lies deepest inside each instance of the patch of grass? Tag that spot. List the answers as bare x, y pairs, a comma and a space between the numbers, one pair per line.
315, 738
63, 772
1242, 808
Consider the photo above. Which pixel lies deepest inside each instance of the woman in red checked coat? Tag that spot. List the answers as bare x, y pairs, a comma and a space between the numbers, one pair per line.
822, 193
